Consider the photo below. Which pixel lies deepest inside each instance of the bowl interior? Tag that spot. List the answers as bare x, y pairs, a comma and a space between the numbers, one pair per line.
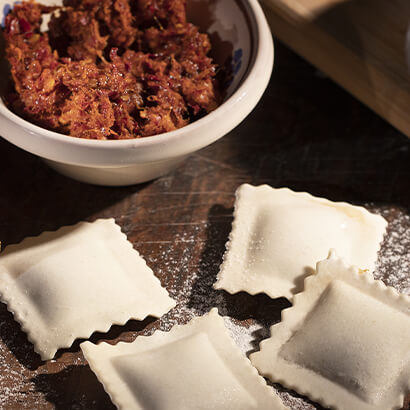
225, 21
229, 29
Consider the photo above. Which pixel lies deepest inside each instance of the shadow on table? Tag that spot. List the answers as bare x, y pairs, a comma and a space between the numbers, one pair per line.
17, 342
74, 387
292, 396
112, 336
240, 306
34, 198
308, 134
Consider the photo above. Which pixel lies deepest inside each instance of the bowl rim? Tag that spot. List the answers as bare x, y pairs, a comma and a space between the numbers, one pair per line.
262, 44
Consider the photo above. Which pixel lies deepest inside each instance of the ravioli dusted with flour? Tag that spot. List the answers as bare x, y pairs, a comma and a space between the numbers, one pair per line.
345, 343
193, 367
278, 236
67, 284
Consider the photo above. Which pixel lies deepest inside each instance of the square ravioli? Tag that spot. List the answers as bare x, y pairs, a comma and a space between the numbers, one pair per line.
80, 279
193, 367
345, 343
278, 236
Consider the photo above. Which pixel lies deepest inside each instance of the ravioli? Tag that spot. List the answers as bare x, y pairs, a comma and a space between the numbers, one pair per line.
192, 367
345, 343
80, 279
278, 236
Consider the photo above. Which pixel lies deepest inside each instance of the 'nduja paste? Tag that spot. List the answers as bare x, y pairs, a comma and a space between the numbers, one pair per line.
109, 69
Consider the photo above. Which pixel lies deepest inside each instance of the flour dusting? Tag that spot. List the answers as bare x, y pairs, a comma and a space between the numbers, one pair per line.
189, 282
393, 265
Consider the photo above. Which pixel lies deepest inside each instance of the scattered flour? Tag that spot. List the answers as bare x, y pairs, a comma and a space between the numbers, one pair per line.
244, 337
195, 296
393, 265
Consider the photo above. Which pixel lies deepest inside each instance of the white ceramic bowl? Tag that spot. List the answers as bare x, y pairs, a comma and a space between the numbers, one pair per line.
238, 28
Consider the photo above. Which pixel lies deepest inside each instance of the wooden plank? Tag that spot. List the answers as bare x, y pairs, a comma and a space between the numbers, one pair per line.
299, 10
361, 45
180, 222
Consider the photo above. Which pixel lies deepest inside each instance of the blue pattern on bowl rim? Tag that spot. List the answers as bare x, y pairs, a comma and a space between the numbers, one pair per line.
6, 10
237, 61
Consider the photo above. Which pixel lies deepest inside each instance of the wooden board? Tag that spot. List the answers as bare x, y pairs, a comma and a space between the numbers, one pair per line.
180, 222
364, 45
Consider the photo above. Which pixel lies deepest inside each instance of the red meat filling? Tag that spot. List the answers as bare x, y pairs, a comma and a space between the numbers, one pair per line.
109, 69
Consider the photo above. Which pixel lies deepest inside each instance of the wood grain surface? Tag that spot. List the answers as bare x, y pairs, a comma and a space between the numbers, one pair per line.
306, 133
364, 45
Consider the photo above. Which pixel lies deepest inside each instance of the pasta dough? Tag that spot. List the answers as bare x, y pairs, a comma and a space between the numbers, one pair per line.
278, 236
80, 279
345, 343
192, 367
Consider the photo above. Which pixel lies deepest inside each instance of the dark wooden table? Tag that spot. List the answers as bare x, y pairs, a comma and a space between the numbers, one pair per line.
306, 134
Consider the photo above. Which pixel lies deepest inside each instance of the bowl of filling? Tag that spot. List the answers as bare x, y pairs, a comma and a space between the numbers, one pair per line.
119, 92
